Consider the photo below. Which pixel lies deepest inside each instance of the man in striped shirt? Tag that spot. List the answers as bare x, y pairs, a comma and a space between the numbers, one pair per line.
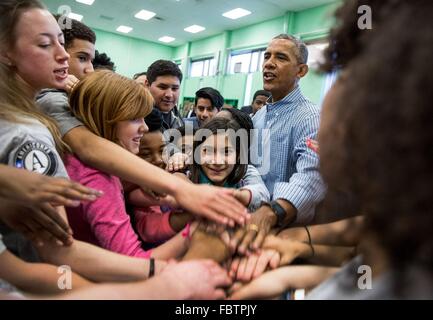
288, 167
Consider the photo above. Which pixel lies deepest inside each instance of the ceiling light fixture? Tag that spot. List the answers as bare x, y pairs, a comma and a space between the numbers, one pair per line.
145, 15
88, 2
194, 28
124, 29
166, 39
75, 16
236, 13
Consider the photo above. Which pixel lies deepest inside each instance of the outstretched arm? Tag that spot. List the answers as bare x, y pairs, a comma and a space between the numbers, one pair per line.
213, 203
37, 278
345, 232
97, 264
273, 283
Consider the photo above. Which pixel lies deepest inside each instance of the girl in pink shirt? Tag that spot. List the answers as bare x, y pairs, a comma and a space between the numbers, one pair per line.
153, 223
113, 107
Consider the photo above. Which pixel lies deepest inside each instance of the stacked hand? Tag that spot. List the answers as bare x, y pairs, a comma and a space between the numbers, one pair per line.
245, 269
251, 237
33, 204
71, 82
197, 279
288, 249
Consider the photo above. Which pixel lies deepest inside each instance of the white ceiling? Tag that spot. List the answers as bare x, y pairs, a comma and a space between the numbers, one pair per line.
172, 16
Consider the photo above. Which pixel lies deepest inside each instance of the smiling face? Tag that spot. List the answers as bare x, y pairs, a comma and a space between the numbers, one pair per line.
218, 157
165, 92
38, 54
82, 53
204, 110
281, 69
129, 134
152, 147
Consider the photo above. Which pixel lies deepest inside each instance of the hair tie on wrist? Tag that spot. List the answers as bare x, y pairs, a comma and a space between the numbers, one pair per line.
151, 267
310, 242
186, 232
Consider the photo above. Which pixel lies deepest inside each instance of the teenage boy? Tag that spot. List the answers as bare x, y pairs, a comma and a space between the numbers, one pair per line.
208, 102
163, 80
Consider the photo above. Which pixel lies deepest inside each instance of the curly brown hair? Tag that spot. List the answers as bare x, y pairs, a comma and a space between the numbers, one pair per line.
346, 38
76, 30
380, 145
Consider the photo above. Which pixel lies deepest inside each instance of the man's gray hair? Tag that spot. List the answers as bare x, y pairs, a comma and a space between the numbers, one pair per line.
302, 50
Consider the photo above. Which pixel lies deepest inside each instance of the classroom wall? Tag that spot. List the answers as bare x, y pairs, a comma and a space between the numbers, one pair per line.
310, 24
133, 55
129, 54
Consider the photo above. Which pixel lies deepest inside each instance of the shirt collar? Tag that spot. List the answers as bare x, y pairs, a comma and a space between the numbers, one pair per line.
203, 179
291, 97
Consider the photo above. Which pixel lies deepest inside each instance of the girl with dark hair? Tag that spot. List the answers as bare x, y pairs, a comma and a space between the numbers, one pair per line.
221, 159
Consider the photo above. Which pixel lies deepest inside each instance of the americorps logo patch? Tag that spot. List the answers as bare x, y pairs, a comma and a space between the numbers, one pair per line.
36, 157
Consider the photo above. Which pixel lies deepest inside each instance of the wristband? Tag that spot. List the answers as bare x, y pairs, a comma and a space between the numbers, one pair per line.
310, 242
278, 210
151, 267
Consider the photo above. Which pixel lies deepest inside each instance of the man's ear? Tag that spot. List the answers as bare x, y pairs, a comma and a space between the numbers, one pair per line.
303, 70
146, 83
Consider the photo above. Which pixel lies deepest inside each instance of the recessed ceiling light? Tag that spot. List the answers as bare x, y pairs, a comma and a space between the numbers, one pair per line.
75, 16
145, 15
194, 29
236, 13
166, 39
124, 29
88, 2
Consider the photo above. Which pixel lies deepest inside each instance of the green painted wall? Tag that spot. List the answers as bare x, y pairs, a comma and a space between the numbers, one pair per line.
315, 22
312, 85
180, 52
256, 35
206, 47
257, 83
234, 87
130, 55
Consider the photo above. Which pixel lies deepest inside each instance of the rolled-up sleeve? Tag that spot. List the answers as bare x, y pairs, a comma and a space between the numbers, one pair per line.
56, 105
253, 182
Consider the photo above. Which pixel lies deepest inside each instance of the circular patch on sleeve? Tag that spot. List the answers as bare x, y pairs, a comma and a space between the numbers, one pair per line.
36, 157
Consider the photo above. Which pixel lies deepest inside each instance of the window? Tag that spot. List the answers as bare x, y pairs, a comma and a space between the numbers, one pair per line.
315, 53
246, 61
203, 67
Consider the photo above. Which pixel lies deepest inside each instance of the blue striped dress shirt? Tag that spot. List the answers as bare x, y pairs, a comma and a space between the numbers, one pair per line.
280, 153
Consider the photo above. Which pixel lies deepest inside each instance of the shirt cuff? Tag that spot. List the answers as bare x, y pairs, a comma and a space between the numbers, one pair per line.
258, 195
300, 198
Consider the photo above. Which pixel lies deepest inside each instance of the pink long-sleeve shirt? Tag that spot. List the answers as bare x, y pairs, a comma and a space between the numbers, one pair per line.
153, 225
103, 222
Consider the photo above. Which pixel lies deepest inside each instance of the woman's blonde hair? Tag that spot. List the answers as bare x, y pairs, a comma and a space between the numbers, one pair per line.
15, 103
104, 98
